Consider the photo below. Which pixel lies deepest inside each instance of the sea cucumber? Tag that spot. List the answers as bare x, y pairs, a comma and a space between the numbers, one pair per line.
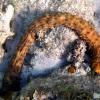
83, 29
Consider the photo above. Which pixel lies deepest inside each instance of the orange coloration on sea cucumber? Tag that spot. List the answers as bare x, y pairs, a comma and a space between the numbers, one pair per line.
83, 29
71, 69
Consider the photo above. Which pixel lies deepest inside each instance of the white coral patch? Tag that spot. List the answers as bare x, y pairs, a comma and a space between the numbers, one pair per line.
5, 19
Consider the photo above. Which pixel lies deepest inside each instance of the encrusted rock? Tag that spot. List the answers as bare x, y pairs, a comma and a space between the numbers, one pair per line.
5, 32
76, 56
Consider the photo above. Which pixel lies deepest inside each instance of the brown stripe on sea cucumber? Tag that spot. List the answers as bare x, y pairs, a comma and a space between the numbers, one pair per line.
84, 29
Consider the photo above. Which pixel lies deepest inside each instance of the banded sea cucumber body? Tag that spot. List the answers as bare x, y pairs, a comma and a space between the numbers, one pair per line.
83, 29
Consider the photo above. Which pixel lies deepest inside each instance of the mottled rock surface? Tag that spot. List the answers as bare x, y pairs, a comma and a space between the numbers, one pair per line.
44, 72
